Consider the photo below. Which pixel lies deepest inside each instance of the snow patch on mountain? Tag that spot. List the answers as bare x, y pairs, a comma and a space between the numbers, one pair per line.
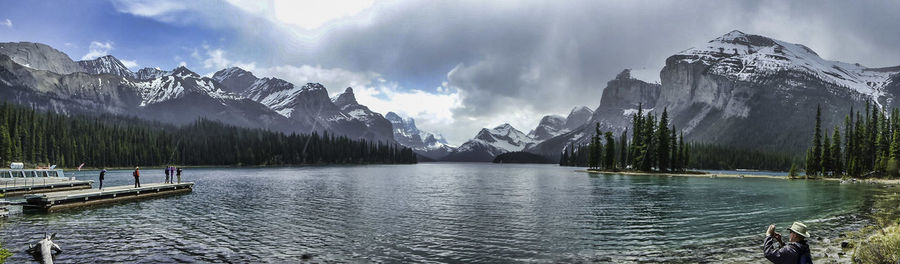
747, 57
106, 65
150, 73
176, 85
407, 134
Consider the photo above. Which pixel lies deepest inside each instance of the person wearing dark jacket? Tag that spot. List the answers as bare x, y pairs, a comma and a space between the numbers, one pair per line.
178, 173
102, 174
168, 169
137, 177
795, 251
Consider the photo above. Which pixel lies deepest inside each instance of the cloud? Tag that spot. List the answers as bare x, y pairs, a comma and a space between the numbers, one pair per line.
514, 61
130, 63
308, 14
8, 23
97, 49
433, 111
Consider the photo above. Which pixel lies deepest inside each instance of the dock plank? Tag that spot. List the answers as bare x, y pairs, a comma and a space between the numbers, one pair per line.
77, 198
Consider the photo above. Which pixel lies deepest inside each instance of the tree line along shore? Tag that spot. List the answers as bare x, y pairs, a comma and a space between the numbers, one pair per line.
47, 138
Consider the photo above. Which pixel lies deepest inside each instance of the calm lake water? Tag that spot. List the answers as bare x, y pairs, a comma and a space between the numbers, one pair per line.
439, 212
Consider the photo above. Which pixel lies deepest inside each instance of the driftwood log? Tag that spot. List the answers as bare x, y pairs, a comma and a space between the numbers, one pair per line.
43, 249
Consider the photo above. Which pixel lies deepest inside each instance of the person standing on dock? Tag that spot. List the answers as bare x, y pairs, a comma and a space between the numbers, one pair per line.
796, 251
178, 172
168, 170
137, 177
102, 174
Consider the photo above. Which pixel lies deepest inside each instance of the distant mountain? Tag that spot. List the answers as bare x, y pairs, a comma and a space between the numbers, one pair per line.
578, 117
550, 126
308, 105
183, 96
150, 73
40, 57
179, 97
734, 89
554, 125
376, 125
106, 65
428, 144
489, 143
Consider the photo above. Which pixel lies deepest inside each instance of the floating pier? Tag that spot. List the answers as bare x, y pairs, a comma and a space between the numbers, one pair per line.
51, 202
20, 186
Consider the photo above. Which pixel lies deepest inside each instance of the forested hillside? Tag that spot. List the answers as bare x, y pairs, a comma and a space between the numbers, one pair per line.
42, 138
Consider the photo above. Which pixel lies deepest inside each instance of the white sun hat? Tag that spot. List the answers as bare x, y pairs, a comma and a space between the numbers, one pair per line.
800, 229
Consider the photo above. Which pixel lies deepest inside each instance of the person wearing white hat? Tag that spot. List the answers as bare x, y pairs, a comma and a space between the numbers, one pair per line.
795, 251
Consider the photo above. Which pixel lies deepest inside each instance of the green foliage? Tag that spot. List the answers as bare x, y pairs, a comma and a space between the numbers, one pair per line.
4, 253
871, 146
654, 146
112, 141
717, 157
793, 172
884, 245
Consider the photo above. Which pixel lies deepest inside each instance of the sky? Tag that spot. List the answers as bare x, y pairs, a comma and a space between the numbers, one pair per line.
455, 66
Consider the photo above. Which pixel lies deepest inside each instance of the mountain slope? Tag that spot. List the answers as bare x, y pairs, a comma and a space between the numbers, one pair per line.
430, 145
735, 88
40, 57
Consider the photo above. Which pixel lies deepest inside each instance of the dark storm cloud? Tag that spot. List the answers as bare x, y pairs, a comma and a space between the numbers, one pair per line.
516, 60
552, 55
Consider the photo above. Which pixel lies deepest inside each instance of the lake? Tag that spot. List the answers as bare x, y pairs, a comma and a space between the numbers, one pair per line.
440, 212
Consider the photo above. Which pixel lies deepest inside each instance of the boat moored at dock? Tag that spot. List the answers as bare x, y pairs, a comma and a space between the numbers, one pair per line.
17, 180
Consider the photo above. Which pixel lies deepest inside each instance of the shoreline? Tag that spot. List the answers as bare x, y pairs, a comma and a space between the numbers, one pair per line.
889, 182
830, 249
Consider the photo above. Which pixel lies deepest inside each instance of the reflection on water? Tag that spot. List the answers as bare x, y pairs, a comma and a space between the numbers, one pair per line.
443, 212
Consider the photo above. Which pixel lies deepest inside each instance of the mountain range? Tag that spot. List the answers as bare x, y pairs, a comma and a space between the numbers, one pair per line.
40, 76
732, 90
741, 90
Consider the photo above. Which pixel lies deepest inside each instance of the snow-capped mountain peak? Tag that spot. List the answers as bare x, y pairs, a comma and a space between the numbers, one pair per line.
150, 73
345, 98
106, 65
313, 87
179, 83
747, 57
426, 143
184, 72
550, 126
578, 116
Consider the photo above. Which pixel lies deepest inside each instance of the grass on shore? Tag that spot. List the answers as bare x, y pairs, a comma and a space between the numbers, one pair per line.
880, 243
4, 253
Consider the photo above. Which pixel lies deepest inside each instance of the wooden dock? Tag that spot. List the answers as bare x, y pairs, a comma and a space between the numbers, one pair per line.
51, 202
20, 186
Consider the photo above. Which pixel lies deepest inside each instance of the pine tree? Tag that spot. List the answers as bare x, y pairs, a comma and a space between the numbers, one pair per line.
684, 153
674, 159
609, 159
623, 149
637, 121
814, 165
5, 144
848, 140
836, 156
663, 147
826, 157
594, 157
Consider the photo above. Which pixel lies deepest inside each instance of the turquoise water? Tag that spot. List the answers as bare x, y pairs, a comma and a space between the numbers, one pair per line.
440, 212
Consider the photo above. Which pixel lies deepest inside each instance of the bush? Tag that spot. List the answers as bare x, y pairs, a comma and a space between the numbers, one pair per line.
883, 247
3, 252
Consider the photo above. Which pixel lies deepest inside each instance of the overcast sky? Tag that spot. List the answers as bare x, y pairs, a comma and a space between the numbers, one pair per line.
454, 66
